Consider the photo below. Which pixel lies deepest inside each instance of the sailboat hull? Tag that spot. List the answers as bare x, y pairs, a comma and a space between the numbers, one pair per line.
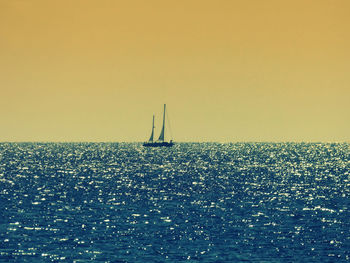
158, 144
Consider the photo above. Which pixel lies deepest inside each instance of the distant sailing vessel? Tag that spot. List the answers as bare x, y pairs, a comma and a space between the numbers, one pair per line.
160, 142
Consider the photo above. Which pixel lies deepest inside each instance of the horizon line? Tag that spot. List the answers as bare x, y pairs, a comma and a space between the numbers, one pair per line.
176, 142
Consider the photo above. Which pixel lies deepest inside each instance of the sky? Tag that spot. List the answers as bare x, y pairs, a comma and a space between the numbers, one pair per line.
228, 70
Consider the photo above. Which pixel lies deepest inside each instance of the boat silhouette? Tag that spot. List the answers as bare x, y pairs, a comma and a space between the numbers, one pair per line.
160, 142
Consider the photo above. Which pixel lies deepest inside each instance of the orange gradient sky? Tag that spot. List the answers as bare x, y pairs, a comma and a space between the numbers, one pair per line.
247, 70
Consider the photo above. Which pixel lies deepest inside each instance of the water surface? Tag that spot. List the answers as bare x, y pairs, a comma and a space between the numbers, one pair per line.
195, 202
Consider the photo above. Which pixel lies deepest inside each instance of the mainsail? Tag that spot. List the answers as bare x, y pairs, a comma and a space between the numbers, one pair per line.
161, 136
151, 138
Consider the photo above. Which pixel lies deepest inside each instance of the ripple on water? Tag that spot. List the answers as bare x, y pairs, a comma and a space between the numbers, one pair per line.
194, 202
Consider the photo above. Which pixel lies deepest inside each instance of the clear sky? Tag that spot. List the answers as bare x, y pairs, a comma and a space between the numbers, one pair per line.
229, 70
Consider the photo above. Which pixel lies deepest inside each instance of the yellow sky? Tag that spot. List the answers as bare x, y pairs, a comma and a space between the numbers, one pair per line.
229, 70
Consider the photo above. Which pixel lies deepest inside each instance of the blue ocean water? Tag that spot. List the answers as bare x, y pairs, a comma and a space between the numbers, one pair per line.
194, 202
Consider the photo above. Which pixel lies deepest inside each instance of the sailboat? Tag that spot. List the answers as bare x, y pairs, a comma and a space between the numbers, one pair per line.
160, 142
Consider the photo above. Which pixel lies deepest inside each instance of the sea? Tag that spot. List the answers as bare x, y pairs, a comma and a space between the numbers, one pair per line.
194, 202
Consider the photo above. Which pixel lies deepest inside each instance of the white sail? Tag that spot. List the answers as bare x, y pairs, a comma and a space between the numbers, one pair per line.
151, 138
161, 136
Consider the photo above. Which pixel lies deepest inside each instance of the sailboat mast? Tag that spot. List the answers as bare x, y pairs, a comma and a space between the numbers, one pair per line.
152, 127
164, 120
161, 136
